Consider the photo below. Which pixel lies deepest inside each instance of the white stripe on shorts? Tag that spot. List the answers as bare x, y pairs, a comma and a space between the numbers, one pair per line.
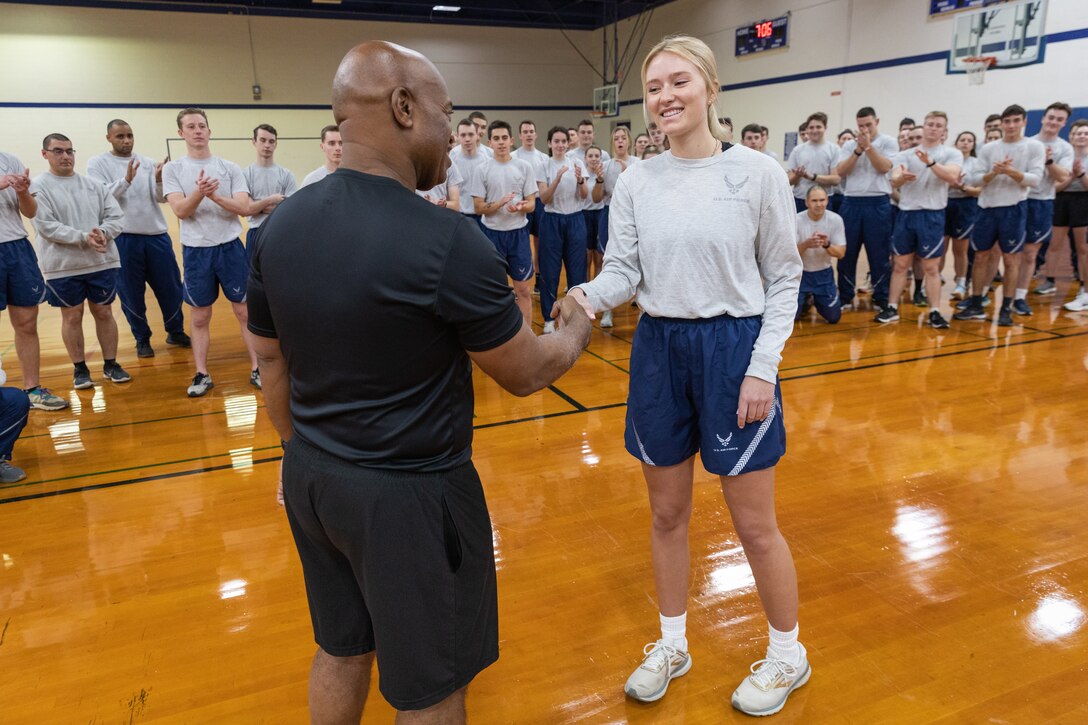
755, 441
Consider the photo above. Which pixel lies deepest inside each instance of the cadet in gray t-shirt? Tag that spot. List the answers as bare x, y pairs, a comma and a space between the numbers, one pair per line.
923, 175
820, 238
333, 148
269, 183
208, 194
147, 252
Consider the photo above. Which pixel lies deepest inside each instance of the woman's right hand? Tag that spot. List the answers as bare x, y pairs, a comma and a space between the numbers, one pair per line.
580, 297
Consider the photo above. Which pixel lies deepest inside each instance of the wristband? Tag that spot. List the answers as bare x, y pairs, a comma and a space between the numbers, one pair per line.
858, 152
1080, 175
581, 181
599, 180
931, 164
1049, 162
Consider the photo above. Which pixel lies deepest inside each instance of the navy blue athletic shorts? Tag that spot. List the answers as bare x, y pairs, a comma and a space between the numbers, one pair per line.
960, 216
207, 269
514, 247
1005, 225
919, 231
21, 282
1040, 221
602, 230
592, 217
683, 396
97, 287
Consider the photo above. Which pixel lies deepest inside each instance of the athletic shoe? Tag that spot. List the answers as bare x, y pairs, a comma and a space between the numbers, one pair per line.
1004, 316
144, 349
1021, 307
10, 474
764, 692
661, 665
42, 399
973, 311
606, 319
202, 383
848, 307
115, 373
879, 303
549, 327
81, 379
936, 321
179, 338
920, 299
960, 292
255, 379
1078, 303
986, 301
1046, 288
888, 314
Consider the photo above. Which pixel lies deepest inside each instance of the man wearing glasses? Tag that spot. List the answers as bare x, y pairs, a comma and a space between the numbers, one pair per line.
22, 288
77, 221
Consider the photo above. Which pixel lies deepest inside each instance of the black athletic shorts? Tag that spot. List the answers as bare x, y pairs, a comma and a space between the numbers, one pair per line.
400, 563
1071, 209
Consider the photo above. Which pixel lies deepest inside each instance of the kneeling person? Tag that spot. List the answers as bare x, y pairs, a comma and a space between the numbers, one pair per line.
77, 221
503, 191
821, 237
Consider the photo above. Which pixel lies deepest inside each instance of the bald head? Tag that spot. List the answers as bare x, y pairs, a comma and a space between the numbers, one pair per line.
394, 111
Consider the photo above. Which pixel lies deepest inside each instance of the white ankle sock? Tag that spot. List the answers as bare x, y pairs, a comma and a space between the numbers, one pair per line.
1021, 294
961, 281
784, 645
674, 631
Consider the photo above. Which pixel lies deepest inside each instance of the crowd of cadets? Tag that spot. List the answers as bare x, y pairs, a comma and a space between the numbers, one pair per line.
907, 201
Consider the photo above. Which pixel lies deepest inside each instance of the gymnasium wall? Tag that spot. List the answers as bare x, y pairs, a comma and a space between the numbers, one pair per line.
829, 35
127, 63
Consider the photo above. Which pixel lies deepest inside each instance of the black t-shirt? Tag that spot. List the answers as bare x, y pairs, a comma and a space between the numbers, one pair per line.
375, 294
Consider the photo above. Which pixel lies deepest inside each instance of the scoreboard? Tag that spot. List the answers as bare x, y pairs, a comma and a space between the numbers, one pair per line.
764, 35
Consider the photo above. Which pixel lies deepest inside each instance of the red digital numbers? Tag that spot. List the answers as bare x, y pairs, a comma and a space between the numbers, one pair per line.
763, 30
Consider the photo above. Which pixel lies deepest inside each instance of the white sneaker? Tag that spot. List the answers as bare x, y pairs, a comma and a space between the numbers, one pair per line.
549, 327
661, 665
1078, 303
764, 692
606, 319
960, 292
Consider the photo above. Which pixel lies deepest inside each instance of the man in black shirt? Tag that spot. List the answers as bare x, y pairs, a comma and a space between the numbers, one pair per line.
368, 303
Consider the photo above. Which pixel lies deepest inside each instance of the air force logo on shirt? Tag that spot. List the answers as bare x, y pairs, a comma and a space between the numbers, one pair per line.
735, 189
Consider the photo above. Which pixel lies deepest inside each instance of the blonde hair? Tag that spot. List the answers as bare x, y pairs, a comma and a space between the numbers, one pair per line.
937, 114
701, 56
626, 132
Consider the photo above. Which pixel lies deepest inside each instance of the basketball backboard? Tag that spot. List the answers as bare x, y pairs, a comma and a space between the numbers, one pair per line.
1012, 33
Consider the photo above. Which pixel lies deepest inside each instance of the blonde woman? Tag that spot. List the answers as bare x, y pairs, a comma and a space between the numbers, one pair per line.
703, 238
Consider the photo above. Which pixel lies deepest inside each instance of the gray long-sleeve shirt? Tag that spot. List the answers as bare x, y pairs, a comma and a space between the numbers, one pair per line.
698, 238
69, 208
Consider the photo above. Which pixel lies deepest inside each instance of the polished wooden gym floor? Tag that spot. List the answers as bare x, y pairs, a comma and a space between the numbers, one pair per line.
933, 494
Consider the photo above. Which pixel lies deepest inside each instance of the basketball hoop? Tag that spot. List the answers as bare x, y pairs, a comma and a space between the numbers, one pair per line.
597, 114
976, 67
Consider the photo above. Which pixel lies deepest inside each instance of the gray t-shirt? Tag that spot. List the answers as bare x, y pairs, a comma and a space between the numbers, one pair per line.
1061, 151
927, 191
817, 259
1078, 184
139, 200
442, 191
968, 167
315, 176
699, 238
210, 224
580, 154
565, 200
263, 182
535, 157
817, 159
612, 171
863, 179
1028, 157
69, 207
494, 180
467, 166
11, 221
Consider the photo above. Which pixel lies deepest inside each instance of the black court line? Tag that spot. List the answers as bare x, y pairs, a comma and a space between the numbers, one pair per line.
114, 484
544, 416
578, 406
610, 362
940, 355
138, 422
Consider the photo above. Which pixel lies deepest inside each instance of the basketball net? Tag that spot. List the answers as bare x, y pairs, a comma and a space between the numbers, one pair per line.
976, 68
